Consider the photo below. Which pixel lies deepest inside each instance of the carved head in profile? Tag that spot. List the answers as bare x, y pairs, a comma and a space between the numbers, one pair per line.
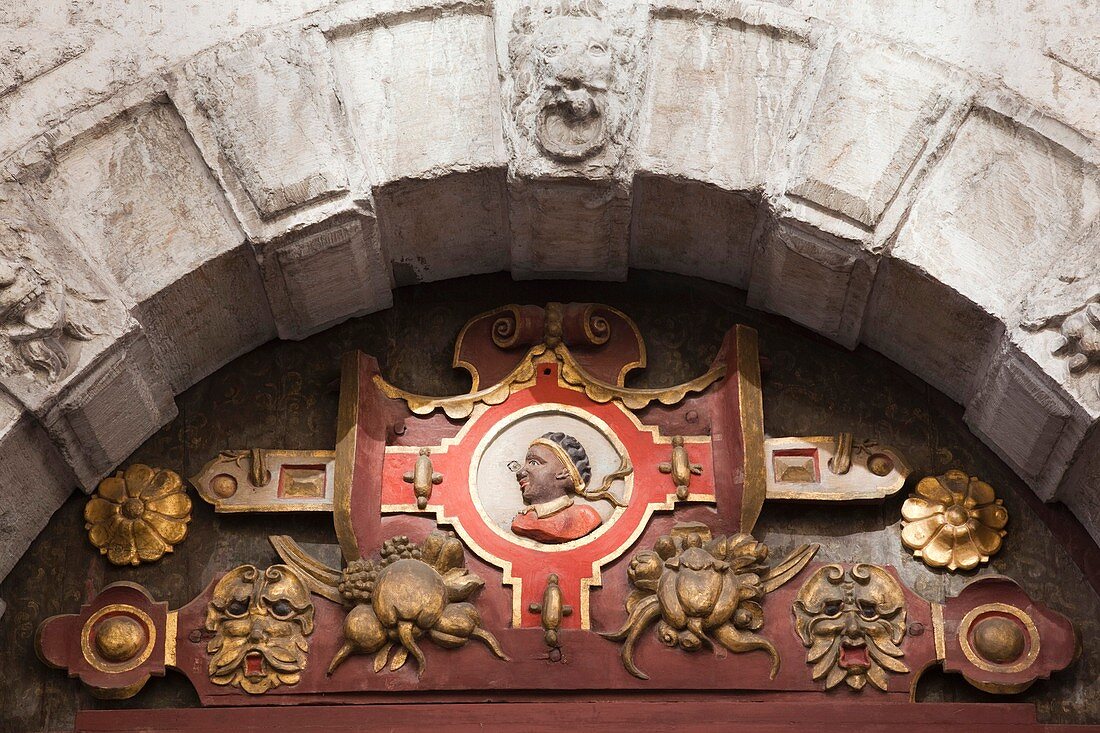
260, 621
852, 621
555, 469
568, 59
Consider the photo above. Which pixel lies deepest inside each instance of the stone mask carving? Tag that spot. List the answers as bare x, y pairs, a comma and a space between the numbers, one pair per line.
568, 59
260, 621
34, 315
852, 621
1079, 338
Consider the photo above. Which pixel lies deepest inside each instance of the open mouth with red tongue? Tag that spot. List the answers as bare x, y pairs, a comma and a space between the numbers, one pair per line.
854, 657
254, 664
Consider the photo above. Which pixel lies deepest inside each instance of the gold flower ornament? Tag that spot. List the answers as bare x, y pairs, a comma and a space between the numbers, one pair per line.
138, 514
953, 521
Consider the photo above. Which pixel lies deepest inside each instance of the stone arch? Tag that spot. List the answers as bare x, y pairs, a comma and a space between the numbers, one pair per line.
159, 223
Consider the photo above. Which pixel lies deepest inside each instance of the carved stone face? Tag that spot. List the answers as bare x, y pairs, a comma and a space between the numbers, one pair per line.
260, 622
20, 287
565, 58
852, 621
542, 477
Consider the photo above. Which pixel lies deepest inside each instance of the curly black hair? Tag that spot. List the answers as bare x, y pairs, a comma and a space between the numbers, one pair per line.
575, 451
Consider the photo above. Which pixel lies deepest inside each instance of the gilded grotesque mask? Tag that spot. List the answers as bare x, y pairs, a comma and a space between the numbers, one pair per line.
852, 621
260, 621
566, 59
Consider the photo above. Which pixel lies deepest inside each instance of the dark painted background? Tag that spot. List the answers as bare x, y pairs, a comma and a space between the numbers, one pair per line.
283, 394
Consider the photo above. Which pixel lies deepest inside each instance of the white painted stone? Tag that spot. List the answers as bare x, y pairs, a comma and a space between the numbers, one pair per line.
267, 106
445, 227
869, 123
34, 482
58, 311
718, 96
115, 405
318, 277
692, 229
929, 328
422, 92
815, 279
1002, 203
1028, 419
207, 318
137, 196
570, 229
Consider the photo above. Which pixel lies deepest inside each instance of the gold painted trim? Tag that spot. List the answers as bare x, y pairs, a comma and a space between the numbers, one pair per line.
475, 377
571, 373
981, 663
938, 633
86, 639
225, 506
595, 580
901, 467
347, 430
170, 626
751, 406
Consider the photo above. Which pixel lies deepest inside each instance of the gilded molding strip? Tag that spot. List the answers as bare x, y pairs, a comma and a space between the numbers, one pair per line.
347, 429
752, 426
938, 631
170, 626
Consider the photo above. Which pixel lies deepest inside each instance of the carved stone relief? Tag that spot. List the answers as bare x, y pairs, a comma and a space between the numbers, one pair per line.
47, 305
570, 60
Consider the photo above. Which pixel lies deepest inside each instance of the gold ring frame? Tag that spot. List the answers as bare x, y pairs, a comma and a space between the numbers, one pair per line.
980, 662
87, 645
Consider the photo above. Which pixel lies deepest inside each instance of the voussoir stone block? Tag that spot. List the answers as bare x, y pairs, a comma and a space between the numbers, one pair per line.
1002, 204
871, 119
268, 103
322, 275
1027, 417
575, 228
34, 482
718, 96
137, 195
815, 278
692, 228
422, 92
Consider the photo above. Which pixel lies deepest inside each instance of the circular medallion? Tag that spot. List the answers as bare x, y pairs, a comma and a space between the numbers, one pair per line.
118, 638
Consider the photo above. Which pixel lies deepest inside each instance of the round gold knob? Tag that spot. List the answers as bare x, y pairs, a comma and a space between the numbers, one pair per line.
998, 639
119, 638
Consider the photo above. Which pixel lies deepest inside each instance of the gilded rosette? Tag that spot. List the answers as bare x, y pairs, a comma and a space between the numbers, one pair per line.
138, 515
953, 521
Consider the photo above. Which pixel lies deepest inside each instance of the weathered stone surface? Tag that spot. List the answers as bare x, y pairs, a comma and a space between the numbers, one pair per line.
444, 227
138, 197
34, 481
269, 105
320, 276
688, 228
918, 321
1002, 203
58, 310
816, 279
569, 228
570, 93
718, 96
869, 123
1028, 419
422, 92
116, 403
215, 313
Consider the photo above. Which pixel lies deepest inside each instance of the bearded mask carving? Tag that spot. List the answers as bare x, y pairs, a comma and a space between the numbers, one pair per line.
568, 59
260, 621
852, 621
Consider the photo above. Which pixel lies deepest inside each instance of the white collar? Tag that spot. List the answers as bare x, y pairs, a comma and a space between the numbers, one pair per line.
550, 508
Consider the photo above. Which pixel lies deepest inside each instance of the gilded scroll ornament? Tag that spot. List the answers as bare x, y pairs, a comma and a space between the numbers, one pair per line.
953, 521
261, 621
411, 591
703, 589
138, 515
852, 621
